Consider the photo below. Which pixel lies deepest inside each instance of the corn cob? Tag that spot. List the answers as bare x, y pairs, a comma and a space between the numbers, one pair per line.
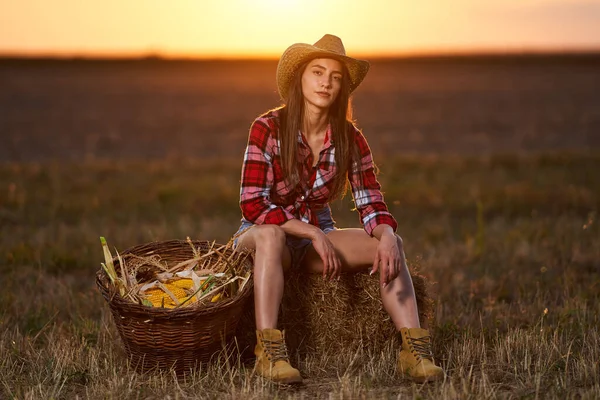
183, 283
158, 297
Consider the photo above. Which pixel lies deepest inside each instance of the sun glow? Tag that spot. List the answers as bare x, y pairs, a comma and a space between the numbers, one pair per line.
266, 27
270, 4
257, 28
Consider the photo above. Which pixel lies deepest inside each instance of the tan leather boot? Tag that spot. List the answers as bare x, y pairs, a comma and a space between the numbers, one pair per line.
416, 358
272, 360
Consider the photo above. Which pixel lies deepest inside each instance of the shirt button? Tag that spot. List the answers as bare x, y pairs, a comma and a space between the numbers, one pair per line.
301, 197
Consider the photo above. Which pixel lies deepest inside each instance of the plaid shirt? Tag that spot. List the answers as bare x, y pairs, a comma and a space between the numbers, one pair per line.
266, 199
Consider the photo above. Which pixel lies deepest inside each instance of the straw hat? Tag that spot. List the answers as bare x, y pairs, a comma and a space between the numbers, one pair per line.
328, 46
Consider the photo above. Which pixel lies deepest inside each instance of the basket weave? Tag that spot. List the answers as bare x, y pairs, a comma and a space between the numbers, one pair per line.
181, 338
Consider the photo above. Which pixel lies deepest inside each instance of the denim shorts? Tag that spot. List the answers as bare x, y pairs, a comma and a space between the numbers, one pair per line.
297, 246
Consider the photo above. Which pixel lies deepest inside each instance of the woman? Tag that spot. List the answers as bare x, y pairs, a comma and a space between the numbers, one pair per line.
299, 158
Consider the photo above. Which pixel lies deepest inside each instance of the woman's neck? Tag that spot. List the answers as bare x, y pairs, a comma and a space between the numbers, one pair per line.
315, 122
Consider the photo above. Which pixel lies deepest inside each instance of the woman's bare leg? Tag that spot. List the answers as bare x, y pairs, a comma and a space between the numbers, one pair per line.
357, 251
271, 258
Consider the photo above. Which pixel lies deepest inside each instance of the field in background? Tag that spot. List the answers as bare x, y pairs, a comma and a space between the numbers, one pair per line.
506, 238
491, 169
159, 109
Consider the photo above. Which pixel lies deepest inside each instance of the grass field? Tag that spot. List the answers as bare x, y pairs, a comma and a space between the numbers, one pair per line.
511, 242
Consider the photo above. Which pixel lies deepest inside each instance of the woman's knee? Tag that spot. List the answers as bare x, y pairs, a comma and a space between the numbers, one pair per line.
269, 236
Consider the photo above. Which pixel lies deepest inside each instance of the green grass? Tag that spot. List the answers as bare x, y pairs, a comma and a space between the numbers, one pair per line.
512, 242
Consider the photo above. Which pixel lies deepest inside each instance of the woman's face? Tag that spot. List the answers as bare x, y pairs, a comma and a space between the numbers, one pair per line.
321, 82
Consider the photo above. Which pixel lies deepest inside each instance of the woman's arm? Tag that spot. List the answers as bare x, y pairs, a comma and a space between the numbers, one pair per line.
366, 192
301, 229
374, 214
258, 178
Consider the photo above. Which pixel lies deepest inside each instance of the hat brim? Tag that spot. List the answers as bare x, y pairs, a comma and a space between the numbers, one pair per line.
298, 53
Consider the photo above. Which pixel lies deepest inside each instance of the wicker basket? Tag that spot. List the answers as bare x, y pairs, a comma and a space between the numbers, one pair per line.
181, 338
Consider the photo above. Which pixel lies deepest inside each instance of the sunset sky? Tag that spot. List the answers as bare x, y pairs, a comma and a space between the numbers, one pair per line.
230, 28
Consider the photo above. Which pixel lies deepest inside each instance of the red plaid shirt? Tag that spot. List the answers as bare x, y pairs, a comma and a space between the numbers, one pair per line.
265, 198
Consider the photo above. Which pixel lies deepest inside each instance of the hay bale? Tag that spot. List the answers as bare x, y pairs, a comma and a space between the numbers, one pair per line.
322, 316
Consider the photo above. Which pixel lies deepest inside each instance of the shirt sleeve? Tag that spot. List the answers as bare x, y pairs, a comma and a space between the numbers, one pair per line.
257, 178
367, 195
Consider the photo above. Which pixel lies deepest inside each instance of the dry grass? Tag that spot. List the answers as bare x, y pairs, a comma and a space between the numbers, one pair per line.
505, 239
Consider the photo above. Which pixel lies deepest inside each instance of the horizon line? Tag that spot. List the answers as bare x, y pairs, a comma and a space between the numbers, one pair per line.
168, 56
243, 57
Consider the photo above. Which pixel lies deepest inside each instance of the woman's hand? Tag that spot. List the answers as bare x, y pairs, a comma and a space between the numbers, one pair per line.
389, 258
331, 263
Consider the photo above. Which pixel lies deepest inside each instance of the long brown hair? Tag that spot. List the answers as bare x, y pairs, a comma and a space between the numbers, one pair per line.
340, 119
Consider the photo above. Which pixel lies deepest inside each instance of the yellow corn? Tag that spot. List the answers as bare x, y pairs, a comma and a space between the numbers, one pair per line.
176, 290
157, 296
183, 283
216, 297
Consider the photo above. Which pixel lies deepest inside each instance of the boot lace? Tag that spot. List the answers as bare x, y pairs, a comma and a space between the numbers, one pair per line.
421, 347
275, 349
